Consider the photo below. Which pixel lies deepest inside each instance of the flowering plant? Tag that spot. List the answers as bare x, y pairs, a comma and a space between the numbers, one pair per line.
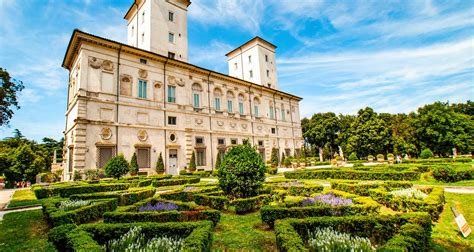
328, 199
190, 188
158, 206
68, 205
327, 239
409, 193
134, 241
292, 183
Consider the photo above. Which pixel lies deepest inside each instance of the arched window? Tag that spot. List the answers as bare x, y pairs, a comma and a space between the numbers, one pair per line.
197, 90
241, 104
217, 99
230, 102
256, 106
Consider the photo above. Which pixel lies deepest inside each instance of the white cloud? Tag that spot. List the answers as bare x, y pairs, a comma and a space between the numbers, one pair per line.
212, 55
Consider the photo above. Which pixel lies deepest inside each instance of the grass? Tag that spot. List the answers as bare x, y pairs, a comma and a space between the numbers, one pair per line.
23, 198
243, 233
24, 231
446, 234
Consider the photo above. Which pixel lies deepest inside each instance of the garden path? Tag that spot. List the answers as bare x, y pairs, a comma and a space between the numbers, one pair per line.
5, 197
459, 189
2, 213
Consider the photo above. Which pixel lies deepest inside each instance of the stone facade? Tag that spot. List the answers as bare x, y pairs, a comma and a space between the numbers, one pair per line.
124, 99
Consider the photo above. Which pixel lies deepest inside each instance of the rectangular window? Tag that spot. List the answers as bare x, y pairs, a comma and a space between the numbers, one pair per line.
143, 61
233, 141
143, 157
142, 88
217, 103
172, 94
143, 17
170, 16
250, 58
283, 118
229, 106
273, 131
251, 73
143, 38
236, 66
196, 100
266, 58
201, 157
255, 110
268, 73
199, 140
241, 108
105, 153
171, 120
245, 141
272, 113
260, 143
171, 37
221, 141
269, 85
171, 55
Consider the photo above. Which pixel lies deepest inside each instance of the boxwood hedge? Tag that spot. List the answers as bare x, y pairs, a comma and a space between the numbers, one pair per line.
126, 197
353, 174
66, 190
362, 188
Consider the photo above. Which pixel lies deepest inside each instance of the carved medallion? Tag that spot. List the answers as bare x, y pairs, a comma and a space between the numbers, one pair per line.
94, 62
259, 128
175, 81
107, 65
198, 121
233, 125
244, 126
142, 73
173, 137
106, 133
220, 123
142, 135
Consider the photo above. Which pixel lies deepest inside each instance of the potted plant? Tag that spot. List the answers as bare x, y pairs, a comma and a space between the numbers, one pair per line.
380, 157
2, 182
370, 158
390, 157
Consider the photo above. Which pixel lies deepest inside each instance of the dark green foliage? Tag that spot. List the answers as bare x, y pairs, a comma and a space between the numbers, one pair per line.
426, 153
176, 181
9, 91
124, 197
166, 216
300, 190
76, 175
134, 164
271, 170
282, 162
219, 158
67, 190
352, 157
274, 157
95, 210
246, 205
212, 200
160, 166
242, 172
287, 162
448, 173
58, 235
117, 167
353, 175
192, 162
411, 237
363, 189
22, 163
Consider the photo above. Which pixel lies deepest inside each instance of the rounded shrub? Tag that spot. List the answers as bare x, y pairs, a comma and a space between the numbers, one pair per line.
352, 157
445, 173
380, 156
370, 157
242, 172
117, 167
426, 153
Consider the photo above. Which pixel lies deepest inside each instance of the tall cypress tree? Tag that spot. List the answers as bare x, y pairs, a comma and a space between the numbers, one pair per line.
192, 162
160, 166
134, 165
274, 158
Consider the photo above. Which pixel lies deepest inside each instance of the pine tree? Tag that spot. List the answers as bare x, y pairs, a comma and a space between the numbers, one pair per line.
192, 163
218, 160
160, 166
274, 158
134, 165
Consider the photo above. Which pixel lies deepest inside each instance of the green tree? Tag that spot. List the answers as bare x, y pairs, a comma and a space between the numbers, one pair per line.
25, 164
160, 166
274, 157
192, 162
440, 128
218, 160
134, 164
426, 153
116, 167
282, 162
352, 157
9, 89
322, 130
242, 172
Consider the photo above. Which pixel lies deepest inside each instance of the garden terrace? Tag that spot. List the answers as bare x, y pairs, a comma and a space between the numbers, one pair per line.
94, 210
362, 187
157, 209
125, 197
433, 203
313, 206
350, 174
92, 237
402, 232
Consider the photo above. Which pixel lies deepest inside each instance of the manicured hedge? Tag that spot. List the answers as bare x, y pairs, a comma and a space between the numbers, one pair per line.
438, 160
166, 216
201, 174
94, 211
187, 196
362, 188
410, 237
126, 197
182, 206
296, 190
213, 200
451, 173
66, 190
433, 204
361, 206
90, 237
251, 204
176, 181
352, 174
290, 233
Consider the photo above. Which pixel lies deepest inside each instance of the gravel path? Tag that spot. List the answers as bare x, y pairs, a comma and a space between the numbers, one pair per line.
5, 197
459, 189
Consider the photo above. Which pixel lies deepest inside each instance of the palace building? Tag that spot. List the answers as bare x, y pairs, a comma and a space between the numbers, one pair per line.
144, 97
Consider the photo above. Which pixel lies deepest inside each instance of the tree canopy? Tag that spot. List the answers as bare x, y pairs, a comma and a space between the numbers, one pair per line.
9, 89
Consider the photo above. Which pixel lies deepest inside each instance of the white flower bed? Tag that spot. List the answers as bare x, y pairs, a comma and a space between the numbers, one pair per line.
134, 241
409, 193
72, 204
327, 239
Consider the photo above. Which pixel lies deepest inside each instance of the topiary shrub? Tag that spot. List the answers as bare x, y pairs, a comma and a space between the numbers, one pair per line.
218, 160
287, 163
380, 157
390, 156
117, 167
274, 158
426, 153
160, 166
352, 157
133, 164
445, 173
192, 162
242, 172
370, 157
77, 175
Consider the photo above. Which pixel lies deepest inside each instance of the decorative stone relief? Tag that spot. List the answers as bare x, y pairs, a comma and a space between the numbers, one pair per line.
198, 121
220, 123
244, 126
125, 84
259, 128
94, 62
233, 125
142, 135
142, 73
157, 84
173, 137
107, 65
106, 133
175, 81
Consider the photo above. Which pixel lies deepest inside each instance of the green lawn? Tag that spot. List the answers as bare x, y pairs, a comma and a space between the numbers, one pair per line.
24, 231
23, 198
243, 233
446, 234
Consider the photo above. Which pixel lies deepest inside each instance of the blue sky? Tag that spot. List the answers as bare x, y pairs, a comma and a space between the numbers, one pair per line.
339, 56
